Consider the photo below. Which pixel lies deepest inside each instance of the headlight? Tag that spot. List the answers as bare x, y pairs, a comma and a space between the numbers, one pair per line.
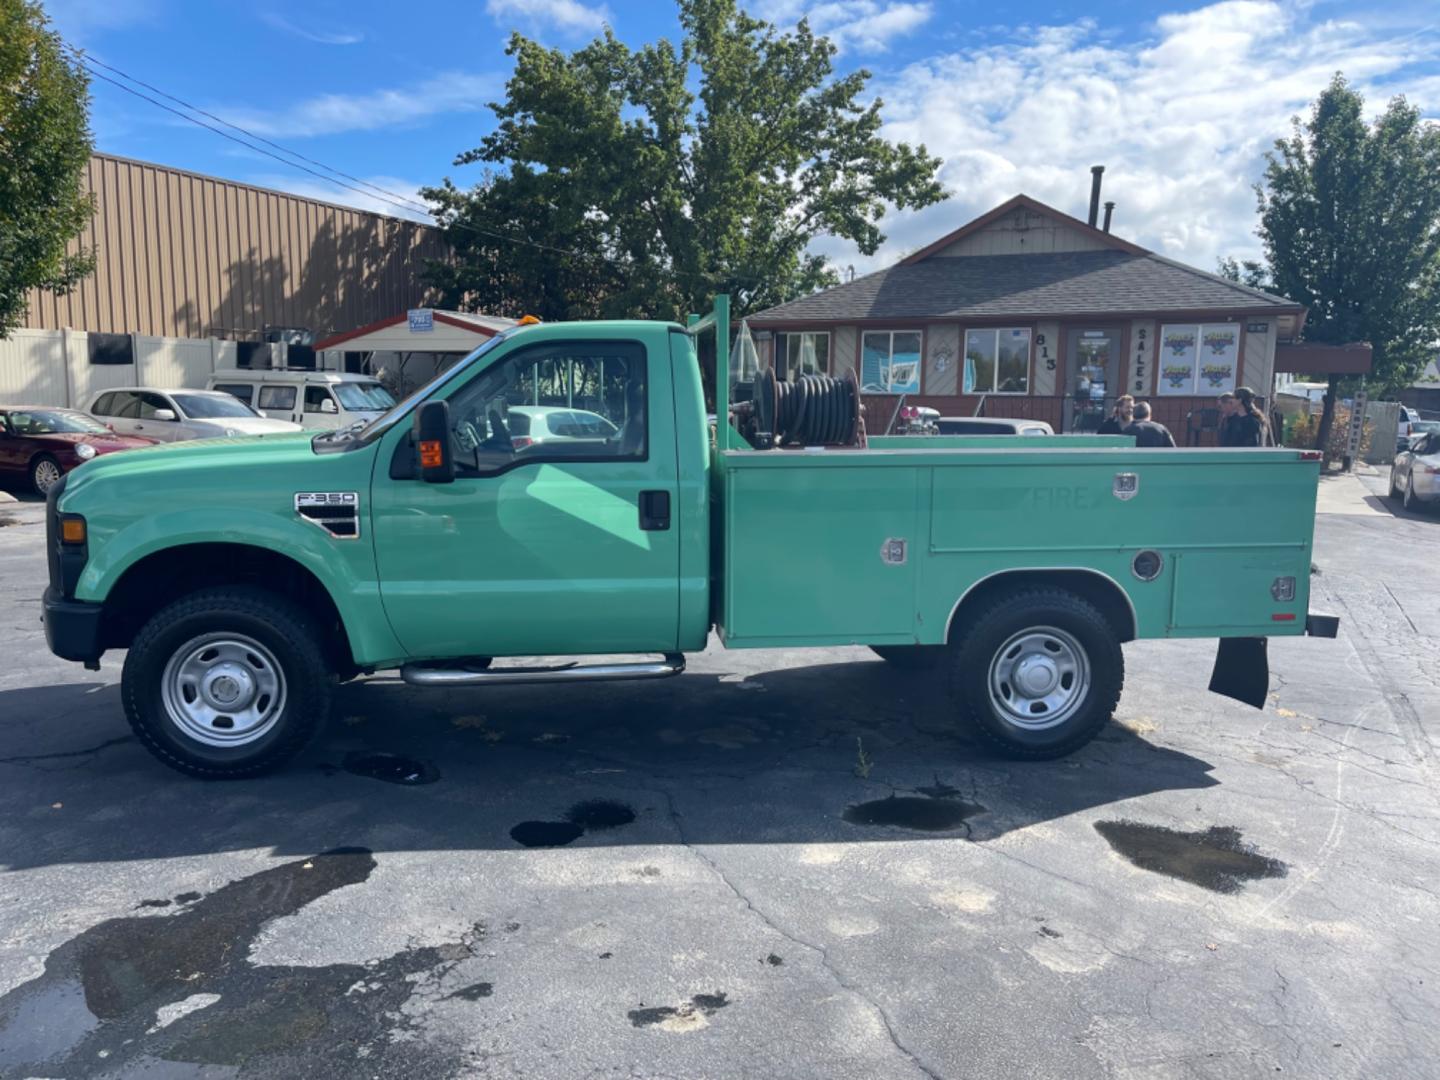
84, 451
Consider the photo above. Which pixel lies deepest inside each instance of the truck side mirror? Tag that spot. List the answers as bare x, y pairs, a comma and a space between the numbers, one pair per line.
431, 433
328, 406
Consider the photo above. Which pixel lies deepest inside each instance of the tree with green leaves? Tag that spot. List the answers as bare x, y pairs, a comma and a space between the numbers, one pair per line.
44, 147
641, 182
1350, 220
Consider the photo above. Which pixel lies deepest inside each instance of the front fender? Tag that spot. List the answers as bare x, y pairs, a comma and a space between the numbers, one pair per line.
344, 568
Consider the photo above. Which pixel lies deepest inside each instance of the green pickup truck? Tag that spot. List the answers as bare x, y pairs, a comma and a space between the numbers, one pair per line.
561, 492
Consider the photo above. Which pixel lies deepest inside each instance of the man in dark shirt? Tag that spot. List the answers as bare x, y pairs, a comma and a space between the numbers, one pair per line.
1146, 431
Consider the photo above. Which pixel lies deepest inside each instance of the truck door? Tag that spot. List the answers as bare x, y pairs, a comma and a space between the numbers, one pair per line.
546, 543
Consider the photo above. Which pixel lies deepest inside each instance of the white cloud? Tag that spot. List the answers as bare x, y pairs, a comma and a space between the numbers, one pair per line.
78, 18
330, 114
319, 37
403, 191
1181, 120
853, 25
567, 15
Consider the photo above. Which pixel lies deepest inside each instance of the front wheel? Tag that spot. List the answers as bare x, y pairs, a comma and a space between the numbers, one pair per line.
44, 474
1037, 673
226, 682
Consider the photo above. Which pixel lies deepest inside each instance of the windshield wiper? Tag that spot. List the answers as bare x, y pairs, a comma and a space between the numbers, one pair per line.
338, 433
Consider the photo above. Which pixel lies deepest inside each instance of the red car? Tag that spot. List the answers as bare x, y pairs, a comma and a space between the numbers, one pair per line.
41, 444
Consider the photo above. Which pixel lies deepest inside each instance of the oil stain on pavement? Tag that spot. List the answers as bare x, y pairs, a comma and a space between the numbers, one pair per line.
588, 816
132, 992
1215, 859
391, 768
909, 812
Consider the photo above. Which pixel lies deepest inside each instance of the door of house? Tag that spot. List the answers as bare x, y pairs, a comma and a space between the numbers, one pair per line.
1094, 355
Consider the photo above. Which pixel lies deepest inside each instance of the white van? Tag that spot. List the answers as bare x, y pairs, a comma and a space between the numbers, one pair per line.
312, 399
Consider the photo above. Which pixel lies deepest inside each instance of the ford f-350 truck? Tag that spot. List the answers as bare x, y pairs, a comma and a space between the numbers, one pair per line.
561, 492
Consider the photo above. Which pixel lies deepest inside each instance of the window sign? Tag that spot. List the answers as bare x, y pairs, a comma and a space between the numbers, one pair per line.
1202, 360
422, 321
890, 362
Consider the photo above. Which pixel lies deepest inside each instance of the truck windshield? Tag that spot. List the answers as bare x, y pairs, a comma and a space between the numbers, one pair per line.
363, 396
364, 432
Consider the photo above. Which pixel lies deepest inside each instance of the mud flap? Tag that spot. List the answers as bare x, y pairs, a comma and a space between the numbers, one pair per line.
1242, 670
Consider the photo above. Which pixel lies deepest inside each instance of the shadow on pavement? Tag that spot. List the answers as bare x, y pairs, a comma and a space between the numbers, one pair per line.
709, 758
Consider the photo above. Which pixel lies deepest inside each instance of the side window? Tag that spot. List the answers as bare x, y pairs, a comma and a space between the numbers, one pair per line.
315, 399
125, 405
571, 401
243, 391
150, 403
277, 397
102, 405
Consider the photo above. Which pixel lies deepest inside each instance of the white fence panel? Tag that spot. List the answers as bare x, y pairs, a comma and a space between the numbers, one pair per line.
87, 379
173, 363
32, 368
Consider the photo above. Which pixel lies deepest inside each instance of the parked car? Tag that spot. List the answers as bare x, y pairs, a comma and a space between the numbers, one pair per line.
531, 424
1419, 428
173, 415
321, 400
991, 425
41, 444
1405, 426
1415, 476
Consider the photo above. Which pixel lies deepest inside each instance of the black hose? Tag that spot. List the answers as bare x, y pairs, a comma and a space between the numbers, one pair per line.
816, 410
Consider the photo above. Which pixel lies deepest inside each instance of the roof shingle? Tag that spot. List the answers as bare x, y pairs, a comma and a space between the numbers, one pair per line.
991, 286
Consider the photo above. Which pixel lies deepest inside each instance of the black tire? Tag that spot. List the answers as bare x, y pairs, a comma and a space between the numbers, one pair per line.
911, 657
1408, 501
39, 463
1037, 612
1394, 491
272, 621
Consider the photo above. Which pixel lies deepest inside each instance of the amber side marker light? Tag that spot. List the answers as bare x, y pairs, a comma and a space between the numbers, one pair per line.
430, 455
72, 530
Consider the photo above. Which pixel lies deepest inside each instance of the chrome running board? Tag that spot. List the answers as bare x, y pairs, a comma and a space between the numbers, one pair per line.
426, 675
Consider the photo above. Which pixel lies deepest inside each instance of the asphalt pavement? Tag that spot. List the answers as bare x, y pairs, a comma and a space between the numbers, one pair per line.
781, 864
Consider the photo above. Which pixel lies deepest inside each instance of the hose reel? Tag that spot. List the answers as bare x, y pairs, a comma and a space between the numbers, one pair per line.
815, 410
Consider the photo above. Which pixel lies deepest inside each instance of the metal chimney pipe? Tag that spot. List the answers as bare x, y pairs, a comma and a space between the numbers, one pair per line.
1095, 172
1109, 209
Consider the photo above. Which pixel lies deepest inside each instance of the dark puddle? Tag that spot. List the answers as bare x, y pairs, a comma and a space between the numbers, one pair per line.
545, 833
592, 814
911, 812
94, 1007
1216, 859
474, 992
702, 1004
391, 768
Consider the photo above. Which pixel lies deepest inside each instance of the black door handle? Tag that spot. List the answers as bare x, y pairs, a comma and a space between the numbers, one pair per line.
654, 510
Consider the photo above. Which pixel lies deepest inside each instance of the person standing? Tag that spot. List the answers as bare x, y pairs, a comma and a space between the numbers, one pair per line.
1120, 416
1148, 432
1245, 425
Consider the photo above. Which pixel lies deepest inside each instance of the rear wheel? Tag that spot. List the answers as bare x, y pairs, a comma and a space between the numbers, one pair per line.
226, 682
44, 473
1037, 673
1394, 491
911, 657
1408, 502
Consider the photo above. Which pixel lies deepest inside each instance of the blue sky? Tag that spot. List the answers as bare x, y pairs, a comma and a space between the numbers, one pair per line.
1178, 100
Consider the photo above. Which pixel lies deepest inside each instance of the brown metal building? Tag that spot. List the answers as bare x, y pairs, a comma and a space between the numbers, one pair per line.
179, 254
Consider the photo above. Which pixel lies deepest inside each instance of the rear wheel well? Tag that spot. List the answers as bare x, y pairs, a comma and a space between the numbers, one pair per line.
1097, 588
165, 576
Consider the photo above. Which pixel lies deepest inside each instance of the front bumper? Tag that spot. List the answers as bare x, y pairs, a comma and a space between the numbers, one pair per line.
72, 627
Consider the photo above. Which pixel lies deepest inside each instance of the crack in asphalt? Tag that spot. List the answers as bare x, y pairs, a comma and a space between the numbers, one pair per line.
27, 759
820, 950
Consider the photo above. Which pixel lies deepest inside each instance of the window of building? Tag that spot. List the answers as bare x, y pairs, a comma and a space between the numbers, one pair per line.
806, 353
279, 398
997, 361
1198, 359
890, 362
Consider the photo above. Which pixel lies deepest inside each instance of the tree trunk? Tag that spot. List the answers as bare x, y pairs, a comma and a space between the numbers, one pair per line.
1327, 416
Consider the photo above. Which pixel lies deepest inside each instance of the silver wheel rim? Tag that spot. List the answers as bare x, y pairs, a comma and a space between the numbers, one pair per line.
223, 689
47, 475
1039, 678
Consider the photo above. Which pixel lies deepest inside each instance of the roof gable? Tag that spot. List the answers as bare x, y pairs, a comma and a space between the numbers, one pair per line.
1009, 222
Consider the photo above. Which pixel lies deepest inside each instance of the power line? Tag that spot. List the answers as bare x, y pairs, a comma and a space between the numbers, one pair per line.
391, 198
